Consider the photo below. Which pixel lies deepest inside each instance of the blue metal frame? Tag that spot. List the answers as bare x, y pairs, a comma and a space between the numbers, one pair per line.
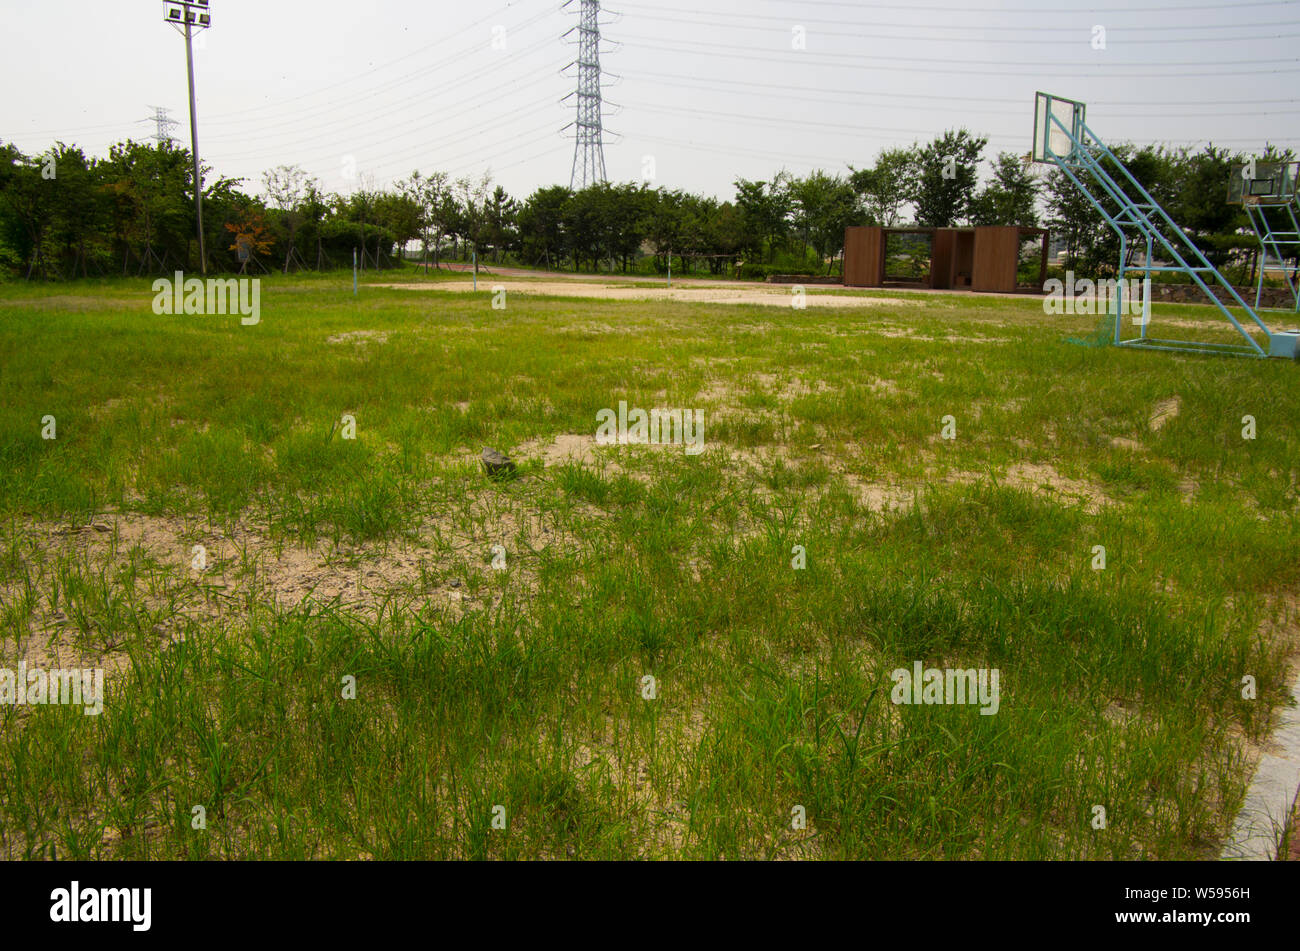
1087, 155
1275, 241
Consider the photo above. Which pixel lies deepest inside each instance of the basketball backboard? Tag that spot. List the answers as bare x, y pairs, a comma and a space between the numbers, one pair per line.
1262, 183
1058, 126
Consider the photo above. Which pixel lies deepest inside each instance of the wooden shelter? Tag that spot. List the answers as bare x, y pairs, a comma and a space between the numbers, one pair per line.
984, 258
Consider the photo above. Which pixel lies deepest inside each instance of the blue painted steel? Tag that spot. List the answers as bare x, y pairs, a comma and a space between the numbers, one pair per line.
1088, 156
1276, 244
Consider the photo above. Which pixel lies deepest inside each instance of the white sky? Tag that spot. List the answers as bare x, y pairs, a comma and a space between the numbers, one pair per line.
712, 89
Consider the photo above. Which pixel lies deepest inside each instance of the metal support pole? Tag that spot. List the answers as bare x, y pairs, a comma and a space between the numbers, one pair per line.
354, 272
194, 148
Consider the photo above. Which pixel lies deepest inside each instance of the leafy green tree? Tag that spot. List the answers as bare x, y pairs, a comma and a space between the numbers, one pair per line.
724, 235
80, 213
630, 205
1010, 198
360, 208
314, 208
824, 205
667, 230
442, 209
473, 197
29, 202
135, 206
400, 213
583, 225
1071, 217
946, 177
541, 226
885, 188
1200, 202
151, 189
500, 215
765, 209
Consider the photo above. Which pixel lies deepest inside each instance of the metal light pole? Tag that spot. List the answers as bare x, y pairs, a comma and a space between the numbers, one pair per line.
192, 14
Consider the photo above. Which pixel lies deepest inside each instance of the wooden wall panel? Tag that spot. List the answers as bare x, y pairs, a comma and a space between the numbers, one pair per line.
864, 257
997, 252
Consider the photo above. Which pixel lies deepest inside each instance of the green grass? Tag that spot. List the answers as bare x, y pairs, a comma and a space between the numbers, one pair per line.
372, 558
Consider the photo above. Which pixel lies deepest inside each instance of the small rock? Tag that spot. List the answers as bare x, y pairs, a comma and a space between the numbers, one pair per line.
497, 463
455, 582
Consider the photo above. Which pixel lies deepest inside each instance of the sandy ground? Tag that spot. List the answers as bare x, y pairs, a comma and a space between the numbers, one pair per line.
775, 295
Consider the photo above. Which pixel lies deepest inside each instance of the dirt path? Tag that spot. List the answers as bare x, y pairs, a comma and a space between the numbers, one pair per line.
712, 292
492, 271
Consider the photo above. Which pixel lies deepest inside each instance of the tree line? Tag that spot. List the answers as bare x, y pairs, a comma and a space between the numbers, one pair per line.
64, 214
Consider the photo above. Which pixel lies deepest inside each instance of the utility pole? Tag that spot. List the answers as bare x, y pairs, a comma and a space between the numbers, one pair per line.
193, 15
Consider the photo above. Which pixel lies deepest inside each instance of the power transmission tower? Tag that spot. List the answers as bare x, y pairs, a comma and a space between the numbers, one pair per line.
164, 123
589, 149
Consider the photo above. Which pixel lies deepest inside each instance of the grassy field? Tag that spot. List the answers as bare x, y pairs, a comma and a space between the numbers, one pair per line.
498, 633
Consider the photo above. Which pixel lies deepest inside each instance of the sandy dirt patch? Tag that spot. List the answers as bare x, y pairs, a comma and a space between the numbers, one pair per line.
361, 337
884, 497
908, 333
445, 564
775, 296
563, 449
583, 450
1042, 480
1164, 411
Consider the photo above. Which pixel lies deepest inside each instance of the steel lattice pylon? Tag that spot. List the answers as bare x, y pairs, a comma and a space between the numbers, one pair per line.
589, 149
164, 123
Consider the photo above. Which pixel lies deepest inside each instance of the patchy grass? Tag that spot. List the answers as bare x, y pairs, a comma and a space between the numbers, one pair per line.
520, 683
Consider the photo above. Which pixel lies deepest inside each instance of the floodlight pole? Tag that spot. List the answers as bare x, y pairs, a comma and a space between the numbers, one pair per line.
192, 14
194, 149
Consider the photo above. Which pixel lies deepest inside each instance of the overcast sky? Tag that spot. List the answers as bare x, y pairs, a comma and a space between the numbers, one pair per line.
711, 89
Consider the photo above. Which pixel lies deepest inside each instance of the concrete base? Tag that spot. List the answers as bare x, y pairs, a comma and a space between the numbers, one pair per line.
1272, 793
1285, 344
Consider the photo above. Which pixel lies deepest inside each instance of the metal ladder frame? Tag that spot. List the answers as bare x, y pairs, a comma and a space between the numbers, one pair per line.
1087, 154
